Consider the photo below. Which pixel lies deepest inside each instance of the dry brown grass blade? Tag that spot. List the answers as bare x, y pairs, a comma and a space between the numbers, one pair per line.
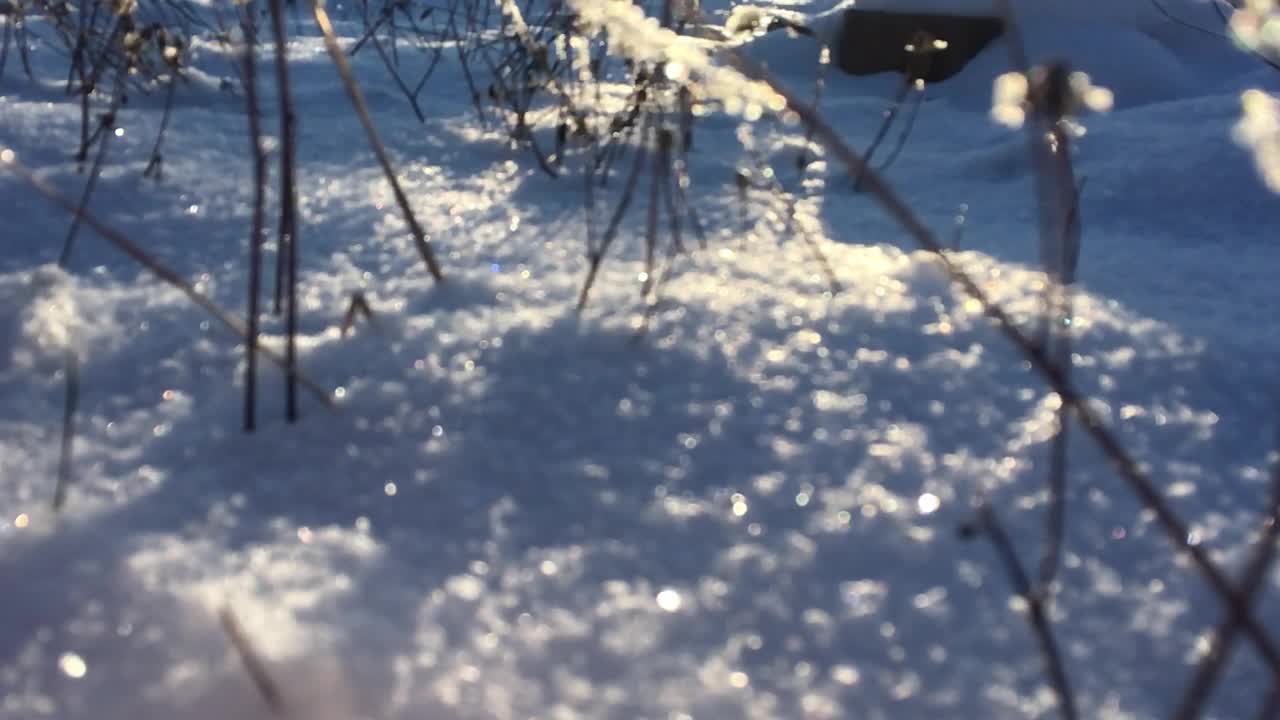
71, 401
252, 663
362, 110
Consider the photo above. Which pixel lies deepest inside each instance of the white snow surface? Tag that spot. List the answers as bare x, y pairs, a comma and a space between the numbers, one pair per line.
748, 512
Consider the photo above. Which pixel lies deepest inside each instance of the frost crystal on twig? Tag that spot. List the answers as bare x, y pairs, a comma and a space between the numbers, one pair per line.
1259, 131
1256, 27
1014, 94
643, 39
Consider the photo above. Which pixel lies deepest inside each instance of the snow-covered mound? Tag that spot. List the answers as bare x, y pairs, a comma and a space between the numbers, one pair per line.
1144, 55
743, 506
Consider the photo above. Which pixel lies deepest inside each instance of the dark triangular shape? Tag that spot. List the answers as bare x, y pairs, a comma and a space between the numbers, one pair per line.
877, 41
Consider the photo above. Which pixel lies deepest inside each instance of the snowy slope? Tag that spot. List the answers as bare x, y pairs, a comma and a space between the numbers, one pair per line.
517, 512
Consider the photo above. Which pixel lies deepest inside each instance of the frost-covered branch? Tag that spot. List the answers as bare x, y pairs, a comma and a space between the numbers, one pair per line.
684, 60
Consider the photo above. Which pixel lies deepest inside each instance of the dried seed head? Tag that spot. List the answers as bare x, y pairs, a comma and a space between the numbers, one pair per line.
1053, 92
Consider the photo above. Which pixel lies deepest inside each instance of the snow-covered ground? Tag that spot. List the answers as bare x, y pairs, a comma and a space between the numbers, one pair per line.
519, 512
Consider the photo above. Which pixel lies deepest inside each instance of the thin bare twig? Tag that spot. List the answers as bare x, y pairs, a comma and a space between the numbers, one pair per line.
1037, 613
288, 241
155, 166
595, 256
895, 106
1060, 318
362, 110
1227, 631
1189, 25
656, 170
105, 133
257, 223
6, 14
358, 307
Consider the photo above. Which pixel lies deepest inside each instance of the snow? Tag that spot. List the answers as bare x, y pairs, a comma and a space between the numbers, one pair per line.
749, 511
